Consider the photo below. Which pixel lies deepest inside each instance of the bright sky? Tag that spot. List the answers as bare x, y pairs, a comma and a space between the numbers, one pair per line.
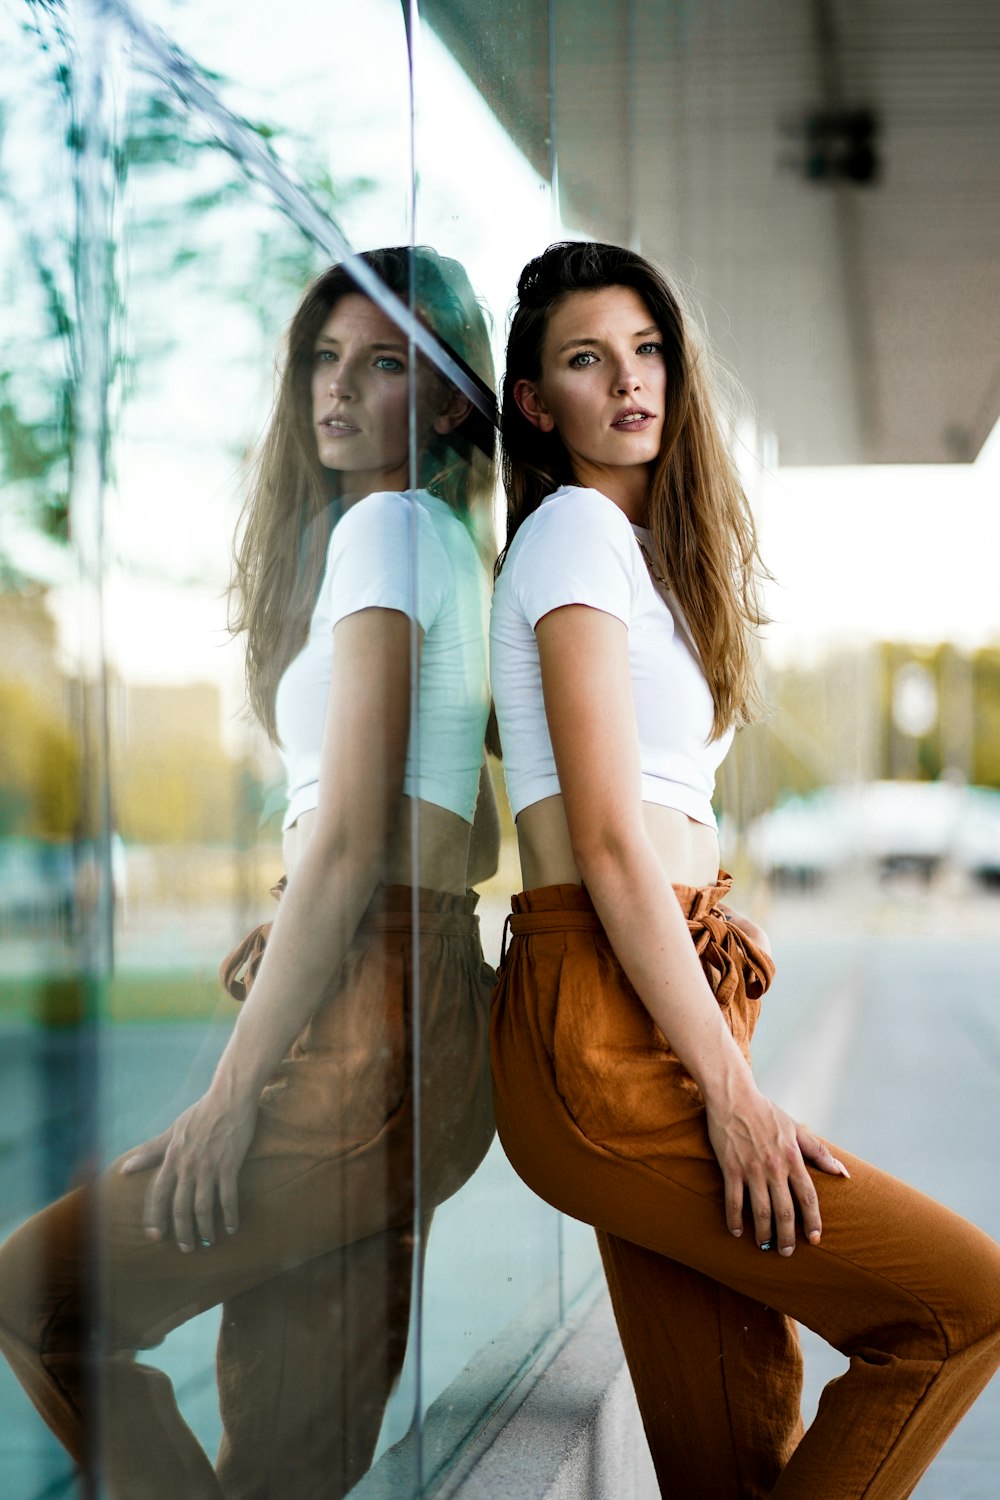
902, 552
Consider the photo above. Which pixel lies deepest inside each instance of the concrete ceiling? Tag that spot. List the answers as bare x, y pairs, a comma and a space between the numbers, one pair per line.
863, 319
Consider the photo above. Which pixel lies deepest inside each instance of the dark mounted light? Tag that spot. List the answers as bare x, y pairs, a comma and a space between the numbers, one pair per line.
838, 145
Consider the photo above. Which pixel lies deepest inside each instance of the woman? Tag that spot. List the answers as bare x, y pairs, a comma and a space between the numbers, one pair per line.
291, 1186
620, 652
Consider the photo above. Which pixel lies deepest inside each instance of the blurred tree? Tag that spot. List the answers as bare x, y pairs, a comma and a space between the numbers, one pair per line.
822, 728
184, 794
39, 767
985, 769
192, 231
177, 182
834, 722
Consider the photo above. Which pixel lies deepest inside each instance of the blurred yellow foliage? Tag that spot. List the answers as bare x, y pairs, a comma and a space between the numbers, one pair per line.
39, 766
187, 792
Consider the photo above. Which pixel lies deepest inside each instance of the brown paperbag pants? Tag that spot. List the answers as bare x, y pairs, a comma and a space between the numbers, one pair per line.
599, 1117
315, 1284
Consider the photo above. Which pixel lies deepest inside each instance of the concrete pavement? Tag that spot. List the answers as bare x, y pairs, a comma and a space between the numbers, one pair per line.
901, 1064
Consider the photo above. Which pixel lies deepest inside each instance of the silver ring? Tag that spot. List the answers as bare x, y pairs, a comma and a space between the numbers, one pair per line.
766, 1245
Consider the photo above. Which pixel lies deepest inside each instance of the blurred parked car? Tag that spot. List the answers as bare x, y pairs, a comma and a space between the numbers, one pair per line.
47, 885
36, 886
909, 825
805, 838
895, 826
976, 847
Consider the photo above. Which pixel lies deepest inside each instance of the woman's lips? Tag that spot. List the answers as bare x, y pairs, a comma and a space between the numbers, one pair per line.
635, 419
333, 427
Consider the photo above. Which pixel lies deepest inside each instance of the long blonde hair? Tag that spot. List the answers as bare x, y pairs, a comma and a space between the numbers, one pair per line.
703, 534
292, 501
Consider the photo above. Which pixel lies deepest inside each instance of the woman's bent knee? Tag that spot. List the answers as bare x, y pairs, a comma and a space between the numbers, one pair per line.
971, 1315
42, 1276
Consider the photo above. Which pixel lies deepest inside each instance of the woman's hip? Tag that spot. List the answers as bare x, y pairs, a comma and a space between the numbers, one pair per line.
561, 985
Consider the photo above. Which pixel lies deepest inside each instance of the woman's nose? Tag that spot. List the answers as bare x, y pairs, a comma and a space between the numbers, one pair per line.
342, 380
625, 378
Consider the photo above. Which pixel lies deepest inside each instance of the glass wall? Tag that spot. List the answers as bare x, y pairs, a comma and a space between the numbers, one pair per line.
177, 416
171, 185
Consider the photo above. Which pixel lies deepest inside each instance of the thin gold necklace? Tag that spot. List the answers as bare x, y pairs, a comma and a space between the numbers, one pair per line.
651, 564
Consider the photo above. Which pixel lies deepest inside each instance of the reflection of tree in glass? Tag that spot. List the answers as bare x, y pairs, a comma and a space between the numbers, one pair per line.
186, 208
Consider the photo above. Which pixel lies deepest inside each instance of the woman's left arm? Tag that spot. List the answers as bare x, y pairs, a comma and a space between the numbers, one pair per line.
360, 790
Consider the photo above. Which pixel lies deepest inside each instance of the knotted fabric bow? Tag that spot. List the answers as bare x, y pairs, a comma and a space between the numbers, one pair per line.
238, 969
723, 946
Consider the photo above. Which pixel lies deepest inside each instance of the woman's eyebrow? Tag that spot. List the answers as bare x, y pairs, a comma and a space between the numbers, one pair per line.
397, 348
576, 342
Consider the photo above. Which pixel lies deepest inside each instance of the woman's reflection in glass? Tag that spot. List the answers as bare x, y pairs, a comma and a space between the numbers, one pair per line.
287, 1192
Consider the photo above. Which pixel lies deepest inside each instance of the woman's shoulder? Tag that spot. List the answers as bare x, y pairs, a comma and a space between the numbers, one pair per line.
370, 558
575, 520
385, 520
573, 505
577, 547
381, 508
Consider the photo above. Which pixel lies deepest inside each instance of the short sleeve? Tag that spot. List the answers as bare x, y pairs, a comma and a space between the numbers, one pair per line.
370, 561
581, 550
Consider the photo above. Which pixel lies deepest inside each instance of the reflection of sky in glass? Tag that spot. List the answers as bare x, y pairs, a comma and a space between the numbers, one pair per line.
208, 291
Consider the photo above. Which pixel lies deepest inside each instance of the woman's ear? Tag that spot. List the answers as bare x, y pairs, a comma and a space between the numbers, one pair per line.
453, 413
531, 405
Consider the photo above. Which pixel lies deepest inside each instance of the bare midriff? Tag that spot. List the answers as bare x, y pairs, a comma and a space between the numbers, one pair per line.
429, 847
687, 850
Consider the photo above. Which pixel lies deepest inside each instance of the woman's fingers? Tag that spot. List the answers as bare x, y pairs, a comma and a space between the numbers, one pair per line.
808, 1205
734, 1202
819, 1153
183, 1213
228, 1202
159, 1203
783, 1211
793, 1192
149, 1154
762, 1210
764, 1161
199, 1160
204, 1208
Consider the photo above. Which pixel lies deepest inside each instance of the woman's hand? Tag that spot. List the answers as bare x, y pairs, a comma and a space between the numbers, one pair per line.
750, 929
762, 1152
199, 1157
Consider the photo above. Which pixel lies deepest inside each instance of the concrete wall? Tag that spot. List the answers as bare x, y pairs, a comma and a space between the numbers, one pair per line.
575, 1434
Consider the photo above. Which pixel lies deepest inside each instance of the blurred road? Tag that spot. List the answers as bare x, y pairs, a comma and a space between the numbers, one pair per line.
898, 1060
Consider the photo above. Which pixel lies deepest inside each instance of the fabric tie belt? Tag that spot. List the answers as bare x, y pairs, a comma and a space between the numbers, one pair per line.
722, 947
391, 910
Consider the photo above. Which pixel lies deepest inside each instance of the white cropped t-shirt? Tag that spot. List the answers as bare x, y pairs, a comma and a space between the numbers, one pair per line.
408, 552
578, 547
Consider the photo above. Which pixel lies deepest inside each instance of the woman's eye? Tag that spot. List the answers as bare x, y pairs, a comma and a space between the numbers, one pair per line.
652, 346
585, 357
324, 356
387, 362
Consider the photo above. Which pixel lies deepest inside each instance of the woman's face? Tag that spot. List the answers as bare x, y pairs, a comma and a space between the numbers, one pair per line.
603, 385
360, 398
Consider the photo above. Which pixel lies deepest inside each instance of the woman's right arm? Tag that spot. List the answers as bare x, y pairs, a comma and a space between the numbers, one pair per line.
360, 787
591, 718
